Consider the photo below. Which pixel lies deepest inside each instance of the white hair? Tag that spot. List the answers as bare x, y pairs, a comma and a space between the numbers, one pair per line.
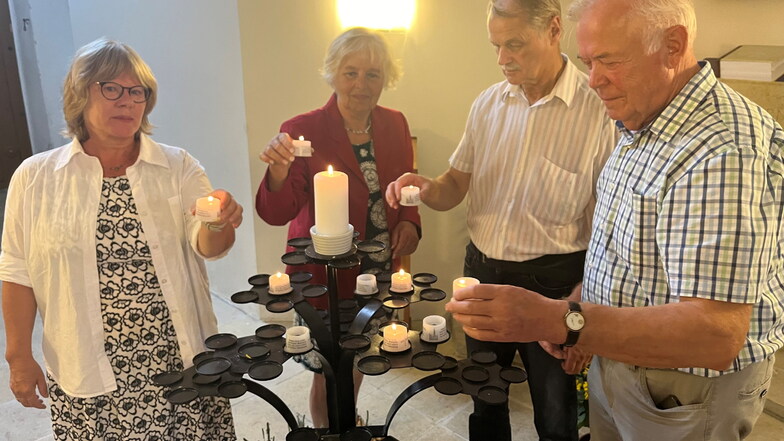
659, 15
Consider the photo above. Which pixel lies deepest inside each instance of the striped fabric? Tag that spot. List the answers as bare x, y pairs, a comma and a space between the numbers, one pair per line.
534, 167
691, 206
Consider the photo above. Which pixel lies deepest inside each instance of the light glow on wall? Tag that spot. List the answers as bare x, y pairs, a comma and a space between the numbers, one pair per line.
377, 14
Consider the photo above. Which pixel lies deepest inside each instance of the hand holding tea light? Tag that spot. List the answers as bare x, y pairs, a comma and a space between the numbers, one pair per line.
463, 282
409, 196
401, 282
395, 338
279, 284
208, 209
301, 147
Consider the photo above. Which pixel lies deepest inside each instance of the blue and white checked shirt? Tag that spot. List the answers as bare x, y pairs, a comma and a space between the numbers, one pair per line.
692, 206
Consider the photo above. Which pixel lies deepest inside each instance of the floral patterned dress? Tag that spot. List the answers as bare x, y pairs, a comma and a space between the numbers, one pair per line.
376, 227
140, 342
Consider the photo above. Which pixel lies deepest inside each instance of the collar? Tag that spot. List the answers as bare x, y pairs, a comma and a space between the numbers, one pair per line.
564, 89
149, 151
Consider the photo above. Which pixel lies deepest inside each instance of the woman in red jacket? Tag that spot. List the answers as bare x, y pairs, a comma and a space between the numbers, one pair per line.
370, 143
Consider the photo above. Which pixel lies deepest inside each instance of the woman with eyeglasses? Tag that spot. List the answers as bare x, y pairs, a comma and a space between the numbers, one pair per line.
100, 239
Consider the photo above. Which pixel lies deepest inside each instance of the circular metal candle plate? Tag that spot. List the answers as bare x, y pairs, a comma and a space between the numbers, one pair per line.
213, 366
513, 375
265, 370
271, 331
432, 294
354, 342
300, 277
279, 306
244, 297
448, 386
428, 361
347, 305
424, 278
356, 434
311, 291
259, 280
345, 262
384, 277
205, 379
449, 364
346, 317
492, 395
167, 378
396, 302
254, 351
198, 358
232, 389
181, 395
374, 365
303, 434
300, 242
370, 246
220, 341
295, 258
475, 374
446, 339
484, 357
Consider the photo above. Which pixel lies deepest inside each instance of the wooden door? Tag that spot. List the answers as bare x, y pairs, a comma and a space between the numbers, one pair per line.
14, 136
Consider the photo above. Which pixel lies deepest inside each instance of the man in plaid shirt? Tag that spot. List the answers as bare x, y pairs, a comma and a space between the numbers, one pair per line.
684, 278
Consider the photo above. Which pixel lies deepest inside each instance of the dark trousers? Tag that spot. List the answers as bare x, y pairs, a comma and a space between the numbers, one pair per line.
553, 392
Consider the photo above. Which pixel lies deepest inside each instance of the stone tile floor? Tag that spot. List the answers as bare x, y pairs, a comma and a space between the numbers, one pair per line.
427, 416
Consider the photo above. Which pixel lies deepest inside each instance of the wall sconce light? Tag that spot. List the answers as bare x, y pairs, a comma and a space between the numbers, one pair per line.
377, 14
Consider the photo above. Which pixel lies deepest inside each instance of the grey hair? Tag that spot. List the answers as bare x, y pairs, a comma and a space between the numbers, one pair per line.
102, 60
360, 40
539, 13
659, 15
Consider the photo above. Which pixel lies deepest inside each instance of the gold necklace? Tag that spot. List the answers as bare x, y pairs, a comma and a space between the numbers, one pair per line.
360, 132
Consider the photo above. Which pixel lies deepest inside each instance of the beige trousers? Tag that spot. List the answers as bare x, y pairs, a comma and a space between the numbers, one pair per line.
637, 404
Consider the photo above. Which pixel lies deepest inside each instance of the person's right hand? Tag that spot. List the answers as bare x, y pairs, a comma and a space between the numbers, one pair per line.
26, 375
393, 189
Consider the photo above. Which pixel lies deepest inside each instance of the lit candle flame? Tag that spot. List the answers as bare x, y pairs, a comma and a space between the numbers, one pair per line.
461, 281
411, 186
301, 138
277, 274
402, 272
330, 170
210, 198
394, 326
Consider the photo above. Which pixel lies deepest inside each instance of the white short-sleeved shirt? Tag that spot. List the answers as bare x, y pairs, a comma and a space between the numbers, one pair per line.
534, 167
49, 244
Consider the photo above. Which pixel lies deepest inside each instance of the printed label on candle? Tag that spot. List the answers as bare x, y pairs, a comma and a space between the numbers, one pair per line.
434, 328
207, 209
301, 147
298, 339
409, 196
395, 338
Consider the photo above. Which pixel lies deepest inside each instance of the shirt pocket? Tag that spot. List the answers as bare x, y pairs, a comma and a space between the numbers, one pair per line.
644, 255
557, 196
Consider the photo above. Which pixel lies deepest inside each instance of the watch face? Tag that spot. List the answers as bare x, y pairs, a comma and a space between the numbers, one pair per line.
575, 321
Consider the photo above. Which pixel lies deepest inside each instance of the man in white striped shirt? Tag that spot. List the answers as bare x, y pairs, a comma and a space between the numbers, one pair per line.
529, 159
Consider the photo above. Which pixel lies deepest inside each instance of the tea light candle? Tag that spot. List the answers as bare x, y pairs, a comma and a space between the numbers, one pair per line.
463, 282
395, 338
366, 284
401, 282
301, 147
208, 209
298, 340
330, 192
409, 196
434, 328
279, 283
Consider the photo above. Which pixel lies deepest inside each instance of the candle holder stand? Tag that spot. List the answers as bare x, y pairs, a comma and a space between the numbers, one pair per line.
340, 345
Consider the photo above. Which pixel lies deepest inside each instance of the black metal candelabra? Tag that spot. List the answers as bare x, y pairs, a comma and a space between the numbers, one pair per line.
341, 344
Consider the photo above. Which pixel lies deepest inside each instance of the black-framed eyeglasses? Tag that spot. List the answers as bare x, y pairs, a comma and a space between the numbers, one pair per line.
113, 91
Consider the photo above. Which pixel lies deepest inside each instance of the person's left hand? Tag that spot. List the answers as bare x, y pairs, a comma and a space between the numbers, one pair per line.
404, 239
231, 211
574, 358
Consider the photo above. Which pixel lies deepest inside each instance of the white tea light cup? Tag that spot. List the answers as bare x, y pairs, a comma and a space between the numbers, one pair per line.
409, 196
366, 284
301, 147
298, 340
434, 328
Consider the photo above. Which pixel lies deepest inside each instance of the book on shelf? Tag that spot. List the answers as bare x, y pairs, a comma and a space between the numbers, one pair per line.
753, 62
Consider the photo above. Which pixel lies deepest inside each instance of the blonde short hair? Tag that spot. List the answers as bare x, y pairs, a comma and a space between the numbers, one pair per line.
359, 40
102, 60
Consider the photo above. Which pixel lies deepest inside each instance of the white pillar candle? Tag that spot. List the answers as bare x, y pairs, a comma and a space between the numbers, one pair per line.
301, 147
395, 338
279, 283
208, 209
434, 328
401, 282
330, 192
409, 196
298, 340
463, 282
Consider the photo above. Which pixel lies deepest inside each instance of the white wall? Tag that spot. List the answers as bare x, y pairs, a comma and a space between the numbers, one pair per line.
193, 49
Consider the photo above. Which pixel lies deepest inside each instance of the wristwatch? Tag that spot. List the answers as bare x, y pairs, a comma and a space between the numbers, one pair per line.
574, 323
